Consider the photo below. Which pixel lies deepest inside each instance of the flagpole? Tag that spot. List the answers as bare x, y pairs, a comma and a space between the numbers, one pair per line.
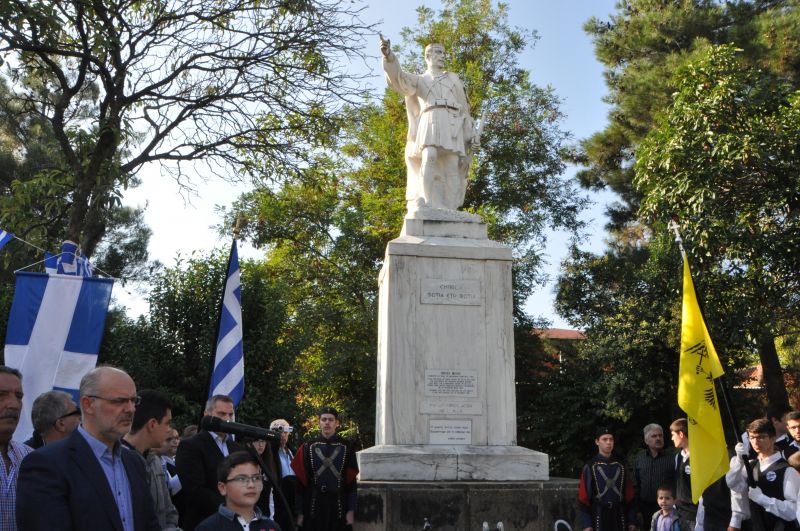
721, 382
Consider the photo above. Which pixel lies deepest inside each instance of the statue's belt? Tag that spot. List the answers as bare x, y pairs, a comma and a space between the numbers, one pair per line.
441, 104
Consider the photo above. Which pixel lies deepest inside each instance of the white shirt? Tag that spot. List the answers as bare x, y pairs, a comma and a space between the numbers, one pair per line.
740, 502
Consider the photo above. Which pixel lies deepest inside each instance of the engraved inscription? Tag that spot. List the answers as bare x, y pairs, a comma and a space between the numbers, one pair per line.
439, 382
447, 407
449, 431
461, 292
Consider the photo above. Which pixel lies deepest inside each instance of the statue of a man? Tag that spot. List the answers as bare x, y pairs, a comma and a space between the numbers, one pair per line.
441, 133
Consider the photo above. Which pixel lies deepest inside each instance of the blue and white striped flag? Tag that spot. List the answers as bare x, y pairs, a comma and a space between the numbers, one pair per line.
54, 332
5, 237
227, 378
68, 262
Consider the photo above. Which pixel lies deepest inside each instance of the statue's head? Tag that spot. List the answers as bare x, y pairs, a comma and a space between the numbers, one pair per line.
434, 56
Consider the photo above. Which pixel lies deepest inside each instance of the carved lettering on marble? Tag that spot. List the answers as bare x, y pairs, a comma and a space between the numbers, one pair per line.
447, 382
449, 407
442, 431
460, 292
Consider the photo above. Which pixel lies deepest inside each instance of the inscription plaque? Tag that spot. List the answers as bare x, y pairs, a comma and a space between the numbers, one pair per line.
461, 292
449, 431
446, 407
445, 382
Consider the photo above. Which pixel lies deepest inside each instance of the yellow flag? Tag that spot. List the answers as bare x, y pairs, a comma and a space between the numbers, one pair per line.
697, 395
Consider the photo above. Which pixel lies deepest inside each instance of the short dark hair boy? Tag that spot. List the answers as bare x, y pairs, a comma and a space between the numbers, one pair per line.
240, 483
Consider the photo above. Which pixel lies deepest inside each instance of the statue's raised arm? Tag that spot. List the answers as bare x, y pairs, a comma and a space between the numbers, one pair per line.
440, 130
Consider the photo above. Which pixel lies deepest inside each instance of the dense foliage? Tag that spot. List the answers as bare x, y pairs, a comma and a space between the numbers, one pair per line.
704, 133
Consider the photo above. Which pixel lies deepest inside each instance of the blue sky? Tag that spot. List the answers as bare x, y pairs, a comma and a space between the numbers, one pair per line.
563, 58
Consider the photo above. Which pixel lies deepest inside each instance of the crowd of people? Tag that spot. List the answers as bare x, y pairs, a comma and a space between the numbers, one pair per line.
759, 492
114, 461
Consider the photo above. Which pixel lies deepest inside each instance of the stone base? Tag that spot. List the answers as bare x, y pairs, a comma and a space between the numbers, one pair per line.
464, 506
452, 463
444, 224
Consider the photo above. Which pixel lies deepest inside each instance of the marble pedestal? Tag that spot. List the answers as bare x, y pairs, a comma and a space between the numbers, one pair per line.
446, 405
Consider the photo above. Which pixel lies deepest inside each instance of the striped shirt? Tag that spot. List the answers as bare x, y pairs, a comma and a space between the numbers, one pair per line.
8, 485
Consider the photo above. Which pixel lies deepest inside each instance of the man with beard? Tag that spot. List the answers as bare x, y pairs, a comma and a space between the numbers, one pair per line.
326, 470
11, 453
88, 480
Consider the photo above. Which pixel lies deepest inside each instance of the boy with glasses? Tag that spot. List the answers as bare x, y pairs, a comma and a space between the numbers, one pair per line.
240, 483
773, 497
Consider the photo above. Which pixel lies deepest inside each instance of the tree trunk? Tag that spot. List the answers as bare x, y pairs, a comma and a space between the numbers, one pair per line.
771, 365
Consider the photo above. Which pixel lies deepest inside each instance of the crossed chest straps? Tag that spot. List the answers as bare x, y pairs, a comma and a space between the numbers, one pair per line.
608, 484
327, 464
443, 102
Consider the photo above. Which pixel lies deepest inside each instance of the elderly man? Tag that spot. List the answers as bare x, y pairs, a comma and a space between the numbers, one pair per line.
88, 480
54, 416
441, 134
652, 469
11, 453
197, 460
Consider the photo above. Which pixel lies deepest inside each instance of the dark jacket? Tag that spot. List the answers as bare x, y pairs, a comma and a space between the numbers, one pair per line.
62, 486
225, 520
197, 460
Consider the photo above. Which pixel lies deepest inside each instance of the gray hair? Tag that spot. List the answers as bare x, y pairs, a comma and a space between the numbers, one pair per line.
211, 402
90, 383
652, 427
48, 408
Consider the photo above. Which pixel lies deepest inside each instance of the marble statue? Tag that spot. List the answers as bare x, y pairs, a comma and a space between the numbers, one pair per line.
441, 133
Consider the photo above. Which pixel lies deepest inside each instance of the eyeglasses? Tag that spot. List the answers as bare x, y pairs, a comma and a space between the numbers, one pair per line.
246, 480
120, 401
71, 413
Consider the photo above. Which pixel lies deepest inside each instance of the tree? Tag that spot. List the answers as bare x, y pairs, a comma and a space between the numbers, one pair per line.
35, 201
723, 158
170, 348
122, 84
643, 45
326, 232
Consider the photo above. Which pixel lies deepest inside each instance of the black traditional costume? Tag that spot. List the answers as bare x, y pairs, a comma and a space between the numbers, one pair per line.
606, 495
326, 471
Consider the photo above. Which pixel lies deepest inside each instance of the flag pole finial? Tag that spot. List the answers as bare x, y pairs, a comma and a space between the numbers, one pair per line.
237, 227
675, 227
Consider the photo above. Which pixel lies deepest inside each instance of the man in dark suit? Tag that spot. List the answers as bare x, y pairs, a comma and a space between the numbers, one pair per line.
88, 481
197, 460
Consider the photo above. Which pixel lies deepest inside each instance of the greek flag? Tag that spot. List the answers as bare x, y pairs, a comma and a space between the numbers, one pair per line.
54, 332
227, 377
5, 237
68, 262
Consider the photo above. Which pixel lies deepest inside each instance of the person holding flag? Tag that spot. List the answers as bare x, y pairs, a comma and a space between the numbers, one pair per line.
773, 498
702, 435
